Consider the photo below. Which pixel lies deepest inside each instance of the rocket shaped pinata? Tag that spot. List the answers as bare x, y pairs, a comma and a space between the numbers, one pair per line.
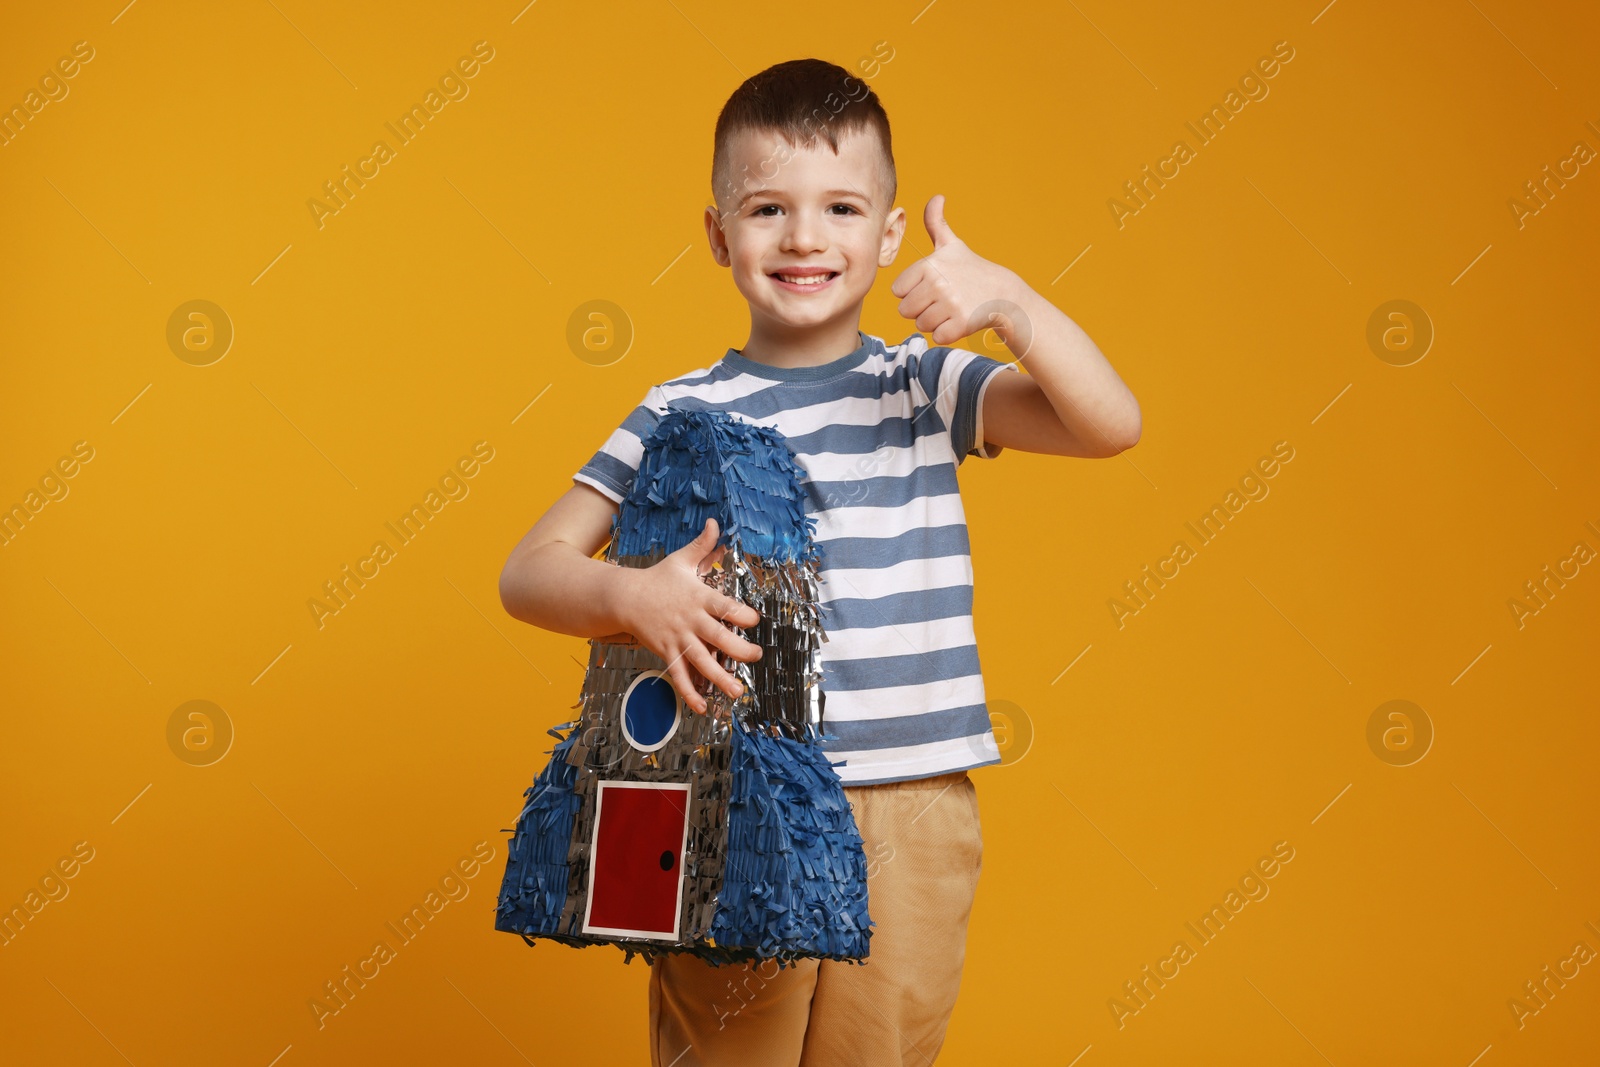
725, 834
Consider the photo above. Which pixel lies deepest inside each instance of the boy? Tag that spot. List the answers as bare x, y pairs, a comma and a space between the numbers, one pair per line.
804, 183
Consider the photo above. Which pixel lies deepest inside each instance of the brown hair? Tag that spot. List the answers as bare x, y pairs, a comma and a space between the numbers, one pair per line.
801, 100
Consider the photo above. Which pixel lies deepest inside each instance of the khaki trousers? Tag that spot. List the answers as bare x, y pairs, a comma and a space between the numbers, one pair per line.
924, 850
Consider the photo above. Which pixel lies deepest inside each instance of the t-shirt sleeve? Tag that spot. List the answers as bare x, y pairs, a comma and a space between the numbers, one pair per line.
611, 469
957, 379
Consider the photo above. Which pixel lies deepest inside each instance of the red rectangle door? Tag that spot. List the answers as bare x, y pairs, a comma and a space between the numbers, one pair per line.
636, 859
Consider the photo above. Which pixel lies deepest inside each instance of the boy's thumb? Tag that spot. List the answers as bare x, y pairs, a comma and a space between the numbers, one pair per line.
939, 230
703, 542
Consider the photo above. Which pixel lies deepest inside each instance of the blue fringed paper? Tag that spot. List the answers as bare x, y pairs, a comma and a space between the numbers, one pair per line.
795, 884
534, 890
707, 464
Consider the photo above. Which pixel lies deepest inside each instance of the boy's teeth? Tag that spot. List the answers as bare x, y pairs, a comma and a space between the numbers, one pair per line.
806, 279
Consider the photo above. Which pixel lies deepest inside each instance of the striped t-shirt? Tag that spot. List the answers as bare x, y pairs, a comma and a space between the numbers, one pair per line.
879, 434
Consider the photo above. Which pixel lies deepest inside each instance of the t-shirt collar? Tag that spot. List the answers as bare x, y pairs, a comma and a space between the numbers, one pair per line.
830, 369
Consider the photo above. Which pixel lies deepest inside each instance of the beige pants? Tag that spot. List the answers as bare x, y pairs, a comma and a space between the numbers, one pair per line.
924, 849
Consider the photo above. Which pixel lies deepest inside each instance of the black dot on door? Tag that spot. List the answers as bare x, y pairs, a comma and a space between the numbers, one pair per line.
666, 860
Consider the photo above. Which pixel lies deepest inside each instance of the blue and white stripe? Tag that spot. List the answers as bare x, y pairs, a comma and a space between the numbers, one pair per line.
879, 434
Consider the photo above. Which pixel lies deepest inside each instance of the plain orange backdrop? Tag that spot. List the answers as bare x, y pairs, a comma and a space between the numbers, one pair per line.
1230, 713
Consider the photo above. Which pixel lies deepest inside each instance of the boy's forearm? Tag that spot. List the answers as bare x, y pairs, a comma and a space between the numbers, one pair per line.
556, 587
1088, 396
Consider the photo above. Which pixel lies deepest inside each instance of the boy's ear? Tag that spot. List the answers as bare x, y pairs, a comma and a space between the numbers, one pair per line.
718, 239
894, 231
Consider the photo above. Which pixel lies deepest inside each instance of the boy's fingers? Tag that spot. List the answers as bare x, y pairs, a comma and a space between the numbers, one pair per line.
679, 673
731, 643
931, 319
916, 302
737, 612
708, 667
907, 280
948, 332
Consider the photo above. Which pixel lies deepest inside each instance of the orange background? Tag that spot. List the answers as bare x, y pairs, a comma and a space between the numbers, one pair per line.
1229, 714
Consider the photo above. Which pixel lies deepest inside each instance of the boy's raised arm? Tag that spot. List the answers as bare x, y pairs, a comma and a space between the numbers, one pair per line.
1071, 403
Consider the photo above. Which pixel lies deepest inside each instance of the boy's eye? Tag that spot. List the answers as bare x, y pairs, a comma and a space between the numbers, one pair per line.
770, 210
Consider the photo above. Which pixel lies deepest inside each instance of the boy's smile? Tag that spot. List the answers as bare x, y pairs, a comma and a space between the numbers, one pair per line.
804, 279
804, 232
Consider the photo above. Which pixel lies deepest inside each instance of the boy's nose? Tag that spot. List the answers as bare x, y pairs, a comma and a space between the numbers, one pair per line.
803, 235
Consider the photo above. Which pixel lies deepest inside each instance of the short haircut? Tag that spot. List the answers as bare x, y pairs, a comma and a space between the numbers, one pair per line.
801, 100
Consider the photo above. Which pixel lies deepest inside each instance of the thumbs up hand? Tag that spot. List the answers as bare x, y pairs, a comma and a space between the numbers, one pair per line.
945, 292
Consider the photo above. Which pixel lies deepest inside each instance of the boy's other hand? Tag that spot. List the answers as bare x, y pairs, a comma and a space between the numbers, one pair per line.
676, 615
945, 292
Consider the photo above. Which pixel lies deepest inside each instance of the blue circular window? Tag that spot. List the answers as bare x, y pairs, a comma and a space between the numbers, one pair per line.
650, 711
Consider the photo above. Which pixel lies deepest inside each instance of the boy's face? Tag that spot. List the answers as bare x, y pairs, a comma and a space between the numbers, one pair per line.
804, 230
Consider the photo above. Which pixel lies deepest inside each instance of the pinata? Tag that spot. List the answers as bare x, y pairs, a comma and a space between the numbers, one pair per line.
725, 834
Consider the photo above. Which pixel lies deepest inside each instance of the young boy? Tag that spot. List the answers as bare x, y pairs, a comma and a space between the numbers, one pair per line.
804, 183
